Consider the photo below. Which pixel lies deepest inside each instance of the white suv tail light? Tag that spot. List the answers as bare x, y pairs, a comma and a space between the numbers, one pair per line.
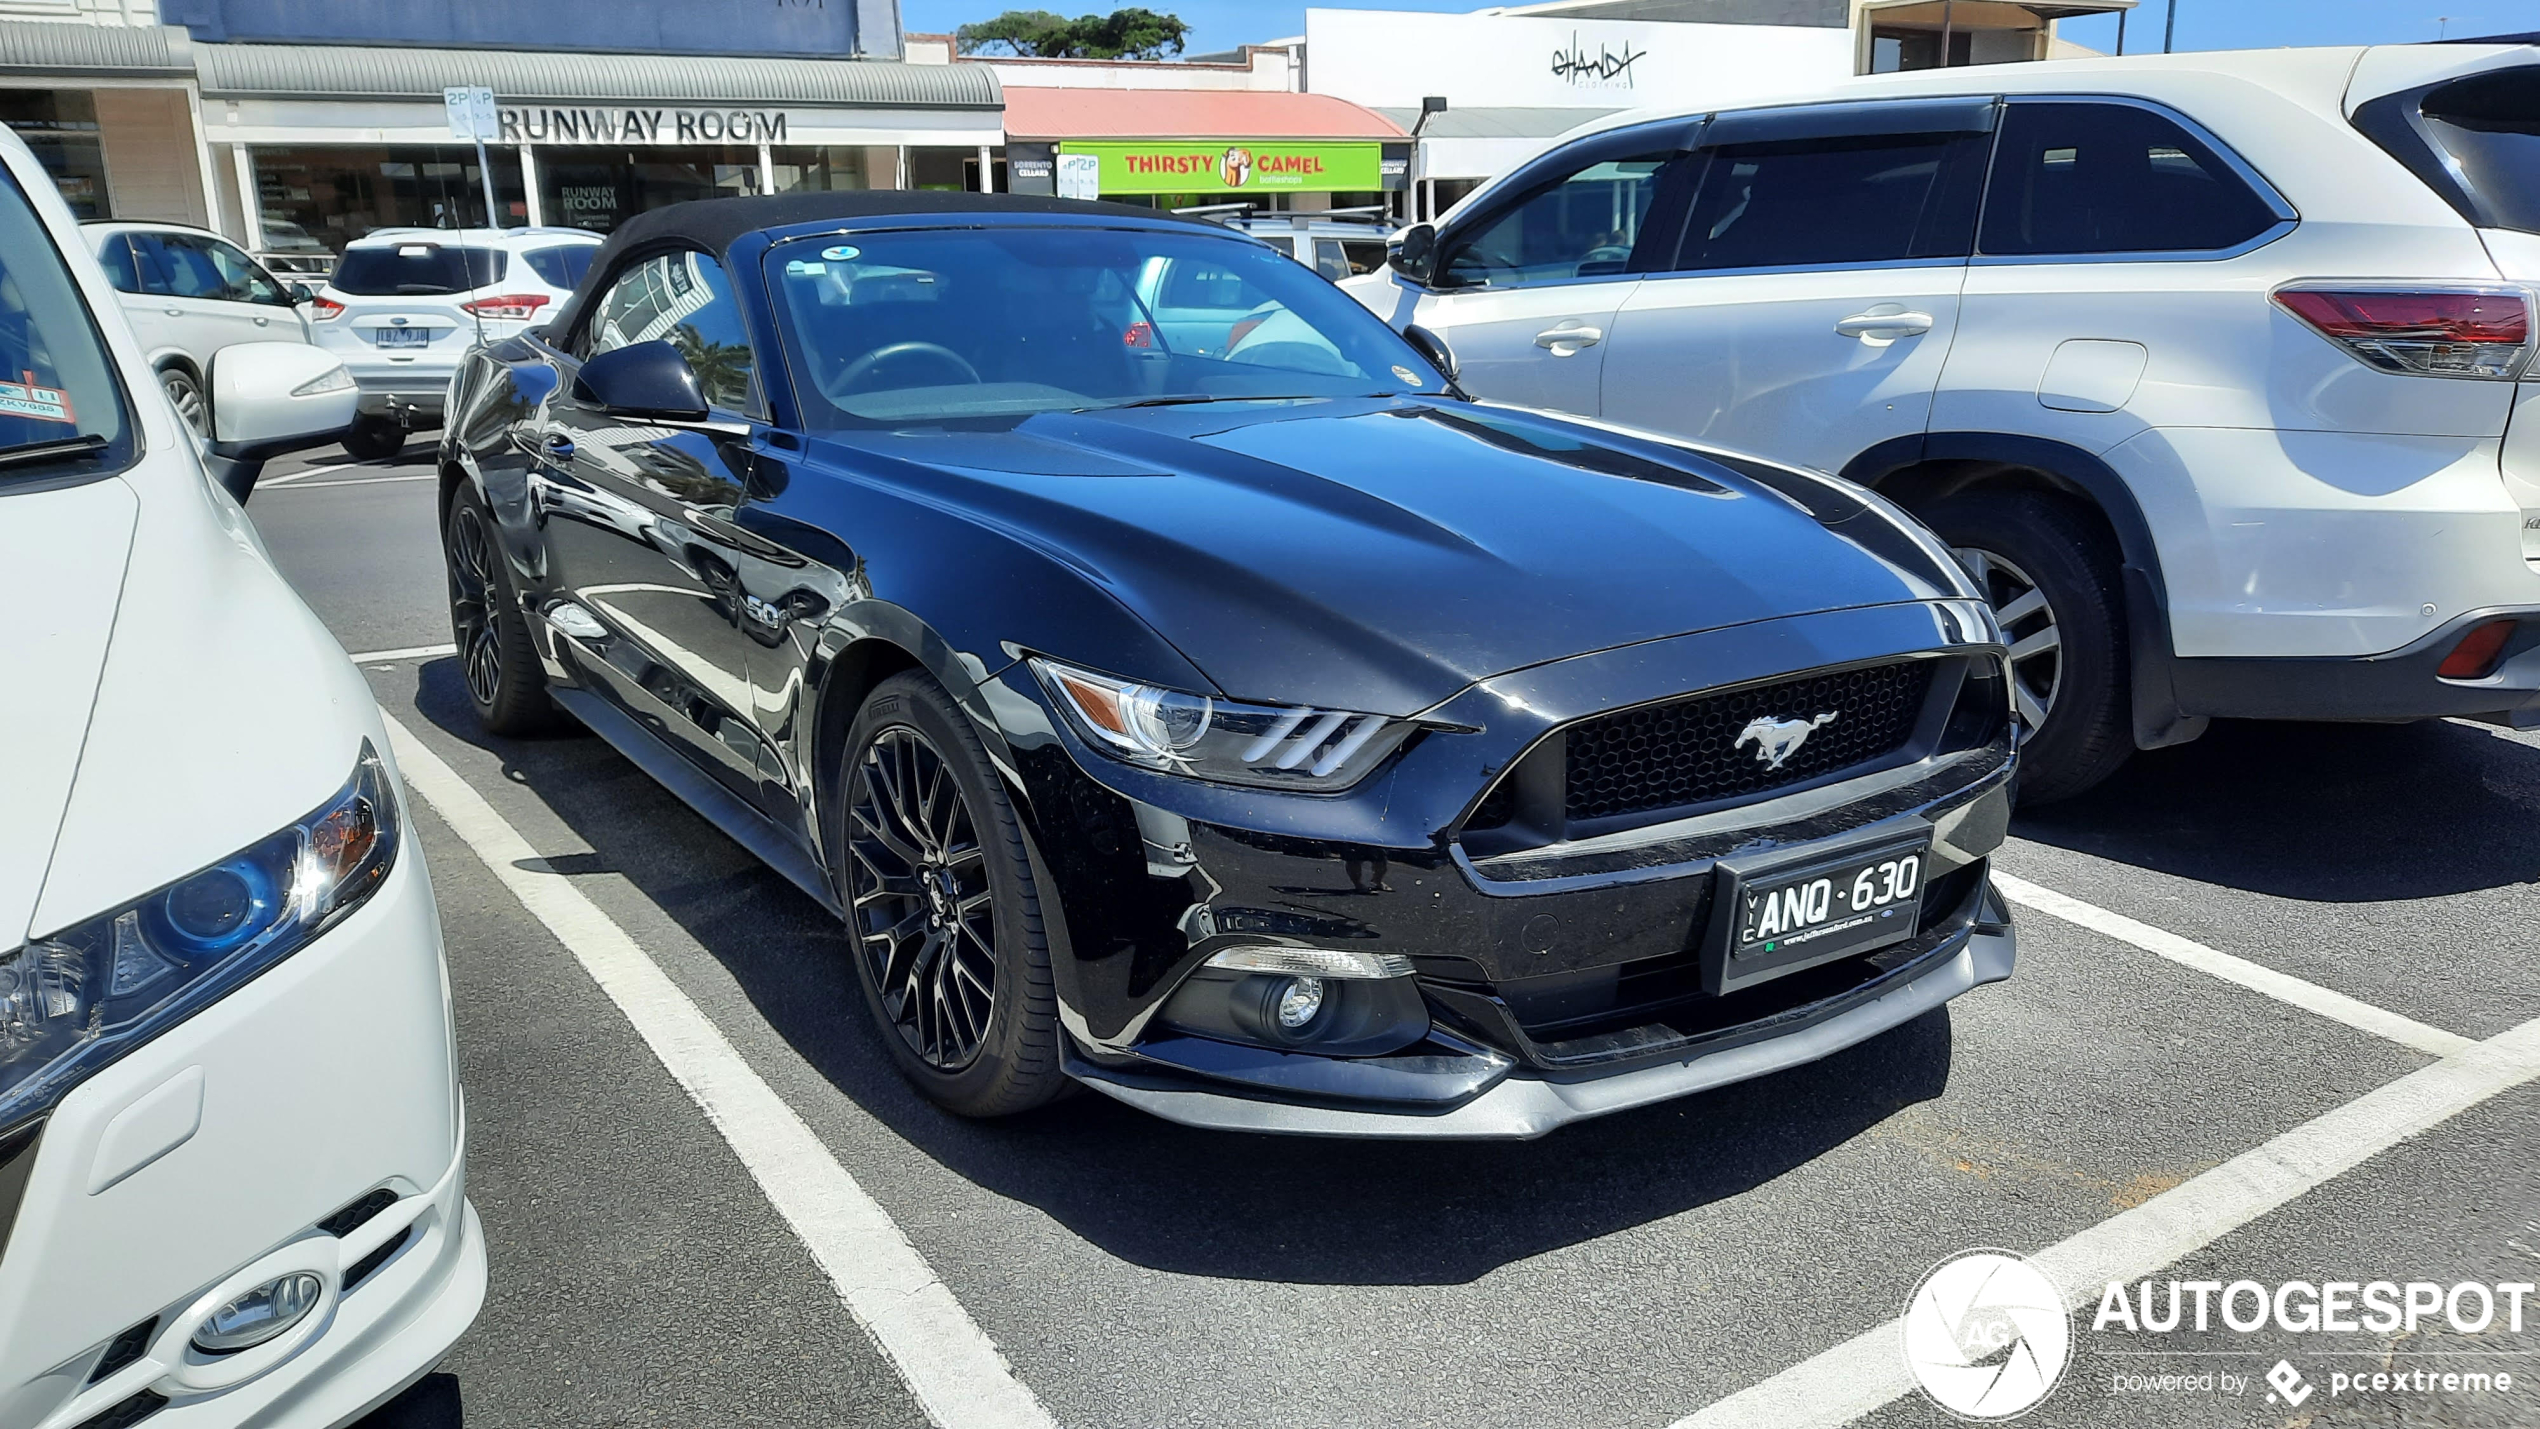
325, 309
515, 306
2420, 330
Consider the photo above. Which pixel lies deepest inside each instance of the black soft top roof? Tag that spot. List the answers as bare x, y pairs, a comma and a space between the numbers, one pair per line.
715, 224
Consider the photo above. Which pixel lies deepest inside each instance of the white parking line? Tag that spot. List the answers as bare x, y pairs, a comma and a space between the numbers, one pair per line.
1868, 1371
411, 652
947, 1360
2284, 987
352, 481
287, 478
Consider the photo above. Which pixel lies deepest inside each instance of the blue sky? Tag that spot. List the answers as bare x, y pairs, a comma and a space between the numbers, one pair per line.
2202, 24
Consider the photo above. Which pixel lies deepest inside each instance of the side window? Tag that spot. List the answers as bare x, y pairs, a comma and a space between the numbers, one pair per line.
179, 268
241, 280
683, 299
2112, 178
1585, 226
1817, 202
116, 258
1331, 260
561, 267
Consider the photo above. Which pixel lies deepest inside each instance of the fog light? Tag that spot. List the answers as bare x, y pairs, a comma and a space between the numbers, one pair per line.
2475, 657
1300, 999
260, 1314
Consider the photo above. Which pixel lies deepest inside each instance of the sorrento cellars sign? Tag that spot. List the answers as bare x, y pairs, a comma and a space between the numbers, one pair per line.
1181, 166
597, 125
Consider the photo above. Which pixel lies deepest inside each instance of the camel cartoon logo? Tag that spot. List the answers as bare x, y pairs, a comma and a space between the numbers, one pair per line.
1779, 739
1234, 168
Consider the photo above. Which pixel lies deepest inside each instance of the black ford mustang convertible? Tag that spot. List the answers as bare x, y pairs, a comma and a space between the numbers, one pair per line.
1180, 688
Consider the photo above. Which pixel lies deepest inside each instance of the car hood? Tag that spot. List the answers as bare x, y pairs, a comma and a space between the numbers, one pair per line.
1382, 554
62, 559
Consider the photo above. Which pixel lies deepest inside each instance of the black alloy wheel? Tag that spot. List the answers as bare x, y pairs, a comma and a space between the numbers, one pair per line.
504, 679
943, 899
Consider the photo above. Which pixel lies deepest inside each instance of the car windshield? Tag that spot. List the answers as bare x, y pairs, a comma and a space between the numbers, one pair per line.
920, 326
418, 269
59, 401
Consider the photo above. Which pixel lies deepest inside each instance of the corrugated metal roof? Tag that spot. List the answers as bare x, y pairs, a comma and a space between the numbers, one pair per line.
350, 72
90, 49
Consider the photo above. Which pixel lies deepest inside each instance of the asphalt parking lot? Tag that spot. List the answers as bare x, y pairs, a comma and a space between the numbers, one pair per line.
2282, 1023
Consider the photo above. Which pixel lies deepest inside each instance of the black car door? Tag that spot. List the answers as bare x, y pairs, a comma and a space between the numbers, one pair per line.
638, 523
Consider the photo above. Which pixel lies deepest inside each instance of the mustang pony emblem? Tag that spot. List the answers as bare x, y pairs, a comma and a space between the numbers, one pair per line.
1779, 739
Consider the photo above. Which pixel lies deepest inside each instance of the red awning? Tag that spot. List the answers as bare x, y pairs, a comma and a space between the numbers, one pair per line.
1187, 114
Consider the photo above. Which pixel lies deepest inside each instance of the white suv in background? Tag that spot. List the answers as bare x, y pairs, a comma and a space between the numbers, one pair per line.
189, 293
2209, 365
232, 1144
405, 304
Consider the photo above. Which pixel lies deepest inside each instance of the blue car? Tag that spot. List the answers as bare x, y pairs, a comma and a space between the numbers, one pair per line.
1252, 728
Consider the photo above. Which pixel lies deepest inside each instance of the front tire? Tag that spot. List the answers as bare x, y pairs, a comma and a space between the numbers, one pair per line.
950, 946
2051, 576
186, 395
505, 682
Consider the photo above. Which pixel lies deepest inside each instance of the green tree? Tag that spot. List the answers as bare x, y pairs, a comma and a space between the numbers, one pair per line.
1131, 34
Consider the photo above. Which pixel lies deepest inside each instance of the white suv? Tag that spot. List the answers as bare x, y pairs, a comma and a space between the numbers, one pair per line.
189, 293
2207, 364
405, 304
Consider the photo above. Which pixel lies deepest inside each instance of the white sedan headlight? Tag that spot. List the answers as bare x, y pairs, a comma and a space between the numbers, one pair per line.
77, 999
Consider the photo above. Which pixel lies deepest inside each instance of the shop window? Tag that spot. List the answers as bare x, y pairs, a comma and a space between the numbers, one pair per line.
60, 126
683, 299
598, 189
940, 168
830, 169
315, 200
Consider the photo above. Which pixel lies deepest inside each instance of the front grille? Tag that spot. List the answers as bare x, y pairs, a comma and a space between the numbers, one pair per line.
1687, 753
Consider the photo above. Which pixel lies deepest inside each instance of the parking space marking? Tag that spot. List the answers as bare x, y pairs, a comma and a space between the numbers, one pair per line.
348, 481
1867, 1372
289, 477
411, 652
2284, 987
947, 1361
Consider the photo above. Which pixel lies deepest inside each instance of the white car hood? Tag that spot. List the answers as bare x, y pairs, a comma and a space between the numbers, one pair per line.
203, 705
62, 559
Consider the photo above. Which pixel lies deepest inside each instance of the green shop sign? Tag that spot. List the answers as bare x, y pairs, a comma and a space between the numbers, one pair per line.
1180, 167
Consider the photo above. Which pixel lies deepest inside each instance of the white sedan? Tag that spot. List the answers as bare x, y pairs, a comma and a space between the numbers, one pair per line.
231, 1135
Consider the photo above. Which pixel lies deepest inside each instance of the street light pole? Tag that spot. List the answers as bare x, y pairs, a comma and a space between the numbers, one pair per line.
2169, 27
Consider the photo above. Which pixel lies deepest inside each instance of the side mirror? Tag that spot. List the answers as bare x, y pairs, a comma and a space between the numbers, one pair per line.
646, 380
1413, 251
301, 293
1434, 348
269, 398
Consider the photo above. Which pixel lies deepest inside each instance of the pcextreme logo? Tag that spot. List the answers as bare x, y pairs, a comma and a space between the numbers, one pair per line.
1986, 1335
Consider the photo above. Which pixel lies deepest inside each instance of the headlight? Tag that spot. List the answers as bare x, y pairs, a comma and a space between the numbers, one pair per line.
75, 1001
1271, 746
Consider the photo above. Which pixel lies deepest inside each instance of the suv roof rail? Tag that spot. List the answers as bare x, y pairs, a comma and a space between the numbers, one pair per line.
1217, 212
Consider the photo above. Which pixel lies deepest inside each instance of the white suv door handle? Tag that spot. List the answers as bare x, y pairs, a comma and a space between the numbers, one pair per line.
1891, 325
1569, 337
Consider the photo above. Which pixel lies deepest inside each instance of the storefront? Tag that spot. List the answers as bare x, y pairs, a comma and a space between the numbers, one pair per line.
328, 143
110, 114
1182, 148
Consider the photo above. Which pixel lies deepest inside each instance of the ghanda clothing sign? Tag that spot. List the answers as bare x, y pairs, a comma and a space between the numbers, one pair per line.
1180, 166
1479, 61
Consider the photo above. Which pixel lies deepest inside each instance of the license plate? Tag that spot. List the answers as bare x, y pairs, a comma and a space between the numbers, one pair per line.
401, 336
1774, 918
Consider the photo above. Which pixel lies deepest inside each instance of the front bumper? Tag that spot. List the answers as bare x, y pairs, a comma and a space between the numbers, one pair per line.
1524, 1105
1559, 980
327, 1082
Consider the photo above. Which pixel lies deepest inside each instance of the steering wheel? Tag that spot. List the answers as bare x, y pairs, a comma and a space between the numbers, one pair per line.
865, 366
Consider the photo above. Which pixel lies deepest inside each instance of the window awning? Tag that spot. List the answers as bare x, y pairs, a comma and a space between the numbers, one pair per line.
121, 51
1062, 114
383, 72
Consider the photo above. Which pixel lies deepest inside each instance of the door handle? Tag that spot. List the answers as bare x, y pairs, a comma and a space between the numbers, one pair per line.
1890, 325
264, 322
559, 445
173, 312
1569, 337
